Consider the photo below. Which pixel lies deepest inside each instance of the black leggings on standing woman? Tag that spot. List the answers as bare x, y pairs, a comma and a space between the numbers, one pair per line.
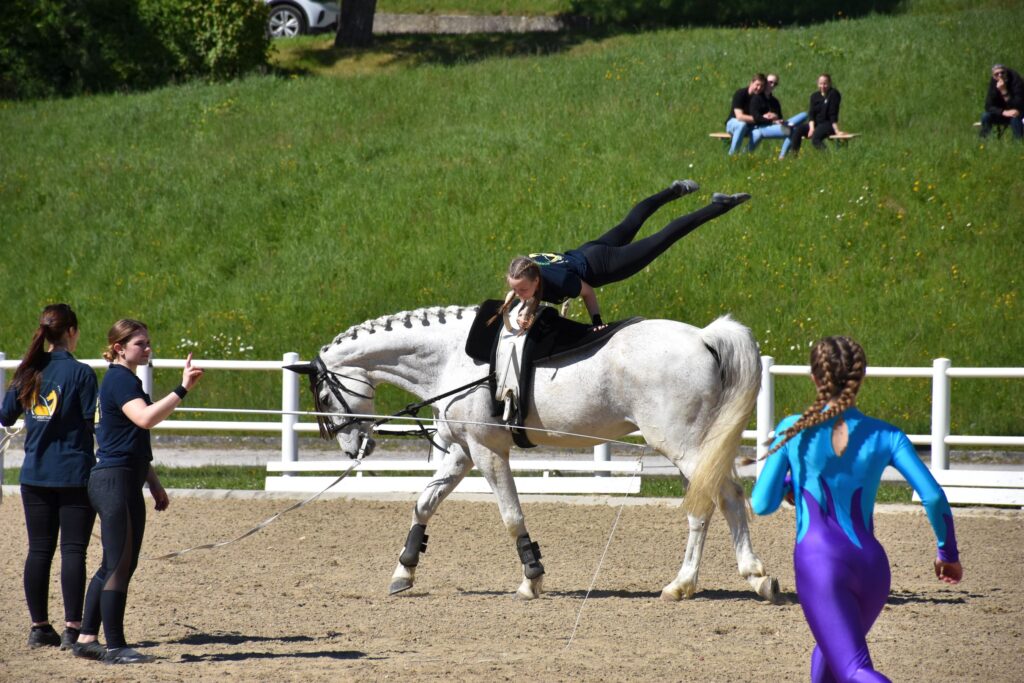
116, 493
50, 511
615, 256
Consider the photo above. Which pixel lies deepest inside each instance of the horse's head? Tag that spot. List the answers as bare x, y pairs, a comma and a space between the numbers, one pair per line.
341, 393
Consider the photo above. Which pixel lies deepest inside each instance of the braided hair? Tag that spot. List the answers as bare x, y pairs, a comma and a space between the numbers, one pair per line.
521, 267
838, 365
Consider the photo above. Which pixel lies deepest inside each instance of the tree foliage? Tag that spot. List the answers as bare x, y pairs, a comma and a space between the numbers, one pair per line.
68, 47
648, 13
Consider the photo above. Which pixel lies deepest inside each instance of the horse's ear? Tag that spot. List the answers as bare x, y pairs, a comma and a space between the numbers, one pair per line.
302, 368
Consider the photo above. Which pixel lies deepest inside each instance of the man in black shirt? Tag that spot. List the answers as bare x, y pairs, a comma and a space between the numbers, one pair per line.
739, 121
1004, 102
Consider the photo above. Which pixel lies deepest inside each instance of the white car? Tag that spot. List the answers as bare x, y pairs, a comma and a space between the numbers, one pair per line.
290, 18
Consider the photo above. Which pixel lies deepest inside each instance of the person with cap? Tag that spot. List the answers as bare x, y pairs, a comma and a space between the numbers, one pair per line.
1004, 102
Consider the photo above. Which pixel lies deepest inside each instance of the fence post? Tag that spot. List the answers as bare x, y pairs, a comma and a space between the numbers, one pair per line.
145, 373
602, 453
289, 406
940, 413
765, 411
3, 373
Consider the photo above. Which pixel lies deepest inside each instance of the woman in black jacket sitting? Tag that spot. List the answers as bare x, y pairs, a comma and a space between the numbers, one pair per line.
822, 118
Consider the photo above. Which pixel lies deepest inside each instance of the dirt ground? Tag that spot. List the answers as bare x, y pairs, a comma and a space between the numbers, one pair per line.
306, 599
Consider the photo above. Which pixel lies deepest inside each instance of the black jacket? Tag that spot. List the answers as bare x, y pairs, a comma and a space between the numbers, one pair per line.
996, 103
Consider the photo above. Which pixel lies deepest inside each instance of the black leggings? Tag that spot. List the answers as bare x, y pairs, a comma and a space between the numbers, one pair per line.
821, 133
615, 256
47, 512
116, 493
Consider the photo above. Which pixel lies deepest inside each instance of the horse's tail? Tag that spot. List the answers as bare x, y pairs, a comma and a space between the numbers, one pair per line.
735, 349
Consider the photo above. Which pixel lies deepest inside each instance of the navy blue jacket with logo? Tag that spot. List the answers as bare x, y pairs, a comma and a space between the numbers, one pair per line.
59, 428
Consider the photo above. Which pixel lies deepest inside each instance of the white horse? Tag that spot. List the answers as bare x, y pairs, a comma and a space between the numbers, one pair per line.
689, 391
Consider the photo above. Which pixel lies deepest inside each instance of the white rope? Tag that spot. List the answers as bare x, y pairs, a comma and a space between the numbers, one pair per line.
409, 418
600, 562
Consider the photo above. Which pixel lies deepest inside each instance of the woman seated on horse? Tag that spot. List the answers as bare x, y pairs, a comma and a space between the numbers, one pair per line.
614, 256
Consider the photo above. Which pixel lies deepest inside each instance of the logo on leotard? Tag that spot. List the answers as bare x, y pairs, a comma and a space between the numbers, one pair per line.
545, 259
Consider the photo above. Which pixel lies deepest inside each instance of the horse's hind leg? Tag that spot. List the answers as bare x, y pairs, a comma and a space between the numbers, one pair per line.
685, 583
751, 568
454, 466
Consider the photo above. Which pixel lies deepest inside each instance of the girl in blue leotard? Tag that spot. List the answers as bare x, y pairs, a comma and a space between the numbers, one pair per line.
831, 459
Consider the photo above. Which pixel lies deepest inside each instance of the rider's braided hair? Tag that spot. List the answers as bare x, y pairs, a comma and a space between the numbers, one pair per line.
838, 365
521, 267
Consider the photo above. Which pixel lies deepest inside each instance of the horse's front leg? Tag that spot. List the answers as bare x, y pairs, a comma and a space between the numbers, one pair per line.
498, 474
454, 466
750, 565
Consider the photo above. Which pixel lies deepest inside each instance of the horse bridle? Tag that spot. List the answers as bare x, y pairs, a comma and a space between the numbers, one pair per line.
322, 377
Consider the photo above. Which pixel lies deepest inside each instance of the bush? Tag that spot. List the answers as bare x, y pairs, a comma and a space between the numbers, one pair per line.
68, 47
713, 12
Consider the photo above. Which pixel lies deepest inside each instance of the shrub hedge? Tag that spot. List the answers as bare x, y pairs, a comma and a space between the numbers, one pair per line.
649, 13
68, 47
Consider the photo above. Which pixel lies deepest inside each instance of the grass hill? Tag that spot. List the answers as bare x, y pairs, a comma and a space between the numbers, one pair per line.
263, 216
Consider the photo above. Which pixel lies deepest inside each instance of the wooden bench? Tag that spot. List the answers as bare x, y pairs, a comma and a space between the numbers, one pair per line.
981, 487
363, 479
839, 137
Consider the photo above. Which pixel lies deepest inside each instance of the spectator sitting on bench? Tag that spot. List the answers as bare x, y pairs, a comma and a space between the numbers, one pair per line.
739, 122
822, 115
767, 112
1004, 102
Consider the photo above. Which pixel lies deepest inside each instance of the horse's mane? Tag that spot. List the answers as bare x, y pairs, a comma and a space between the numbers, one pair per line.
406, 319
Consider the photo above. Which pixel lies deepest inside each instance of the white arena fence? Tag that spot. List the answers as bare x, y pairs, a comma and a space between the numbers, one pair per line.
961, 485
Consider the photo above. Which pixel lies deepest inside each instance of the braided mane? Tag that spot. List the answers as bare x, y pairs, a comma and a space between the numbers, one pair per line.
405, 319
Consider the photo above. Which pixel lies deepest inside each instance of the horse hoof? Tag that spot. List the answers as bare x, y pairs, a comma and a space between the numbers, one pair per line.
399, 585
529, 590
768, 588
672, 593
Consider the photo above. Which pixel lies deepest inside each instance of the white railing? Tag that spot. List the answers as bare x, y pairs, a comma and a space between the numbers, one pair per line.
289, 426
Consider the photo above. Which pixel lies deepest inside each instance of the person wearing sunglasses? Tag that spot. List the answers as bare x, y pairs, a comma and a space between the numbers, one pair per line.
767, 112
1004, 103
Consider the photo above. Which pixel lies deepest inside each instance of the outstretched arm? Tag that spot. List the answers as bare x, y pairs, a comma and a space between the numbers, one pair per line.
590, 301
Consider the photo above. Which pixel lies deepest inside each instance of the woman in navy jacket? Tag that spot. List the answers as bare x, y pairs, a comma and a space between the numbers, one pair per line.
56, 395
115, 488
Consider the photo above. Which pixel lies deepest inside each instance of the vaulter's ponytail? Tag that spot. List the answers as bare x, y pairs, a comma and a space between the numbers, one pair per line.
55, 322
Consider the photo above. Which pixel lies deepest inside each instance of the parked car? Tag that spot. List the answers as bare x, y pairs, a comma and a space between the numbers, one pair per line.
290, 18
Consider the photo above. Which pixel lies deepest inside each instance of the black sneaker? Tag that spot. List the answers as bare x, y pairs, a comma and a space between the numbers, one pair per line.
126, 655
684, 187
69, 638
730, 199
41, 636
93, 650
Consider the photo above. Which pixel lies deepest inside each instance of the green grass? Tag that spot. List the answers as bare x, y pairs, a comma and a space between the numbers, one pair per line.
262, 216
672, 487
507, 7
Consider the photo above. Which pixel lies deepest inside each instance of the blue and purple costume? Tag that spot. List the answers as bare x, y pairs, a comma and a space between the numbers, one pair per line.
842, 571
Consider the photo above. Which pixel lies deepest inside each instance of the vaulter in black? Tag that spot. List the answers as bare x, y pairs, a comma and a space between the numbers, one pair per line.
611, 257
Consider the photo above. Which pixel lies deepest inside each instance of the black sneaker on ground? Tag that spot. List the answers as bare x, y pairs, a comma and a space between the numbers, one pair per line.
69, 638
44, 635
126, 655
730, 199
684, 187
93, 650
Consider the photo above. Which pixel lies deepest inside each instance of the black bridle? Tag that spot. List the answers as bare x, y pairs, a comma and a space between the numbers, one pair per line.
322, 377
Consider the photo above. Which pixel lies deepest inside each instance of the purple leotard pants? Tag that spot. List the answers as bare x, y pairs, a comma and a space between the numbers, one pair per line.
842, 590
